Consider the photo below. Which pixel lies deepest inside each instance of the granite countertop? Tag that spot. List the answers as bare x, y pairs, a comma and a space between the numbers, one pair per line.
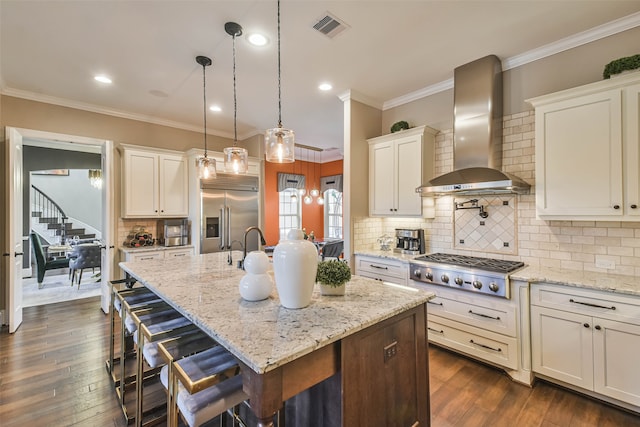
154, 248
263, 334
580, 279
385, 254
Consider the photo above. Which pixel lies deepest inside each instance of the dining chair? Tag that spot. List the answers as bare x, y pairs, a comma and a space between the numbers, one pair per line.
43, 261
332, 249
87, 255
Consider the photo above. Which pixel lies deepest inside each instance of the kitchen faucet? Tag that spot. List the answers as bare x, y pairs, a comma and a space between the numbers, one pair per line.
229, 257
244, 253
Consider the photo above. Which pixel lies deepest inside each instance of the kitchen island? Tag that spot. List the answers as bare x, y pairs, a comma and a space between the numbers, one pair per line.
374, 338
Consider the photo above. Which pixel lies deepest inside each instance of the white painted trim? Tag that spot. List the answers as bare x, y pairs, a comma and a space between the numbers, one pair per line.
579, 39
352, 95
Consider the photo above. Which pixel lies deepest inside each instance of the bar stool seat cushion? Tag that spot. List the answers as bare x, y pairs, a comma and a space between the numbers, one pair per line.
207, 404
150, 350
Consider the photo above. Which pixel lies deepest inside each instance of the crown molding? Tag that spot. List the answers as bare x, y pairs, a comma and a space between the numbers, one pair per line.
596, 33
352, 95
38, 97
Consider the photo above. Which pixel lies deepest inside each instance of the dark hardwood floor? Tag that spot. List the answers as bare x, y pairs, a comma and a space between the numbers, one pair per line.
52, 373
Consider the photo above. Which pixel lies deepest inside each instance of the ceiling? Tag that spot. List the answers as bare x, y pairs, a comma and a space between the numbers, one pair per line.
391, 50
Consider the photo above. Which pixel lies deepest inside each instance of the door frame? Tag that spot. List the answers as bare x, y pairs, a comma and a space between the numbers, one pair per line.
109, 225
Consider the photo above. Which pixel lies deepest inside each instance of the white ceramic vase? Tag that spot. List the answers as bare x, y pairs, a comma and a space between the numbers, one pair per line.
295, 263
256, 285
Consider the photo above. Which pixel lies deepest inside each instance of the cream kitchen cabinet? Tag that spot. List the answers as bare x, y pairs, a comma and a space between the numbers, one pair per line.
588, 339
150, 253
587, 151
155, 184
383, 269
398, 164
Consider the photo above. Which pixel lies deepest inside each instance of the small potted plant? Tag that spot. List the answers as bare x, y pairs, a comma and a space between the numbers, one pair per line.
332, 277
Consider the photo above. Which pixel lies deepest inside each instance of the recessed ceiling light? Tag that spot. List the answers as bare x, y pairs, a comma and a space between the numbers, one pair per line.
257, 39
215, 108
325, 86
102, 79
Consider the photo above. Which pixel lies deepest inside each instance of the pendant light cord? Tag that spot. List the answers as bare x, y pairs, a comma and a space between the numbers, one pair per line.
279, 86
235, 103
204, 97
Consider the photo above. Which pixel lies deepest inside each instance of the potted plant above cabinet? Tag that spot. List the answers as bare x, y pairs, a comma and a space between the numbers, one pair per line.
398, 164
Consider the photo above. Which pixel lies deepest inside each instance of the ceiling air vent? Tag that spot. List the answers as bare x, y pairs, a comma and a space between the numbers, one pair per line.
330, 25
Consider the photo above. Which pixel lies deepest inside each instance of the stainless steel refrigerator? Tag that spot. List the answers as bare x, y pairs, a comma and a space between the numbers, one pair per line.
229, 206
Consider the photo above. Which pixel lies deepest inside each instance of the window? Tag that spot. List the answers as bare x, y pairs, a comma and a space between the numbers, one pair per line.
332, 214
290, 212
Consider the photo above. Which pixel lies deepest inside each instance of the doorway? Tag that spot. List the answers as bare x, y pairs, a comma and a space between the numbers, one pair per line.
21, 139
59, 219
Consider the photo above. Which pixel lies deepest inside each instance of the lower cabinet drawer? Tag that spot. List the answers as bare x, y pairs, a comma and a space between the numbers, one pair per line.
383, 277
145, 256
178, 253
491, 347
500, 319
385, 269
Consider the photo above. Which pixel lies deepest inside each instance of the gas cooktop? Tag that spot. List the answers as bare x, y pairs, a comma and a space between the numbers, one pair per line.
482, 275
489, 264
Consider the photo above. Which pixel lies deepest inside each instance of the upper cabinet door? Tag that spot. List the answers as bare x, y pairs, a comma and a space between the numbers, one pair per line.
140, 184
381, 179
408, 158
173, 186
579, 156
631, 152
587, 151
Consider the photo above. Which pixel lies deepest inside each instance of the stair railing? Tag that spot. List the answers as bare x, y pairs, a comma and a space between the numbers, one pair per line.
50, 209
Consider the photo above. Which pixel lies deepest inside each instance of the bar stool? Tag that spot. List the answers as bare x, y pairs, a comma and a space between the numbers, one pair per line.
153, 325
173, 349
133, 295
204, 385
155, 311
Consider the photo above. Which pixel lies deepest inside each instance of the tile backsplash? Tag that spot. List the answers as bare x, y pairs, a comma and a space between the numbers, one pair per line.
573, 245
496, 233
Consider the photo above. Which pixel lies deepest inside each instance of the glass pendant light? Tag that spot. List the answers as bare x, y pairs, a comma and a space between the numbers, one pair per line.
279, 142
314, 190
236, 159
206, 166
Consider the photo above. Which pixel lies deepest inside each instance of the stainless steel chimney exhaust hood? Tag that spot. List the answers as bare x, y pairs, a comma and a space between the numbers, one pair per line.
477, 135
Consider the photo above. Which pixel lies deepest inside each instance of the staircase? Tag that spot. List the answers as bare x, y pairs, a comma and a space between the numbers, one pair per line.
53, 221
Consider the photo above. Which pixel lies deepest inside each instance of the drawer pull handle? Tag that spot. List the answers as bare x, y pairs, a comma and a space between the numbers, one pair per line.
499, 350
435, 330
484, 315
378, 267
613, 307
177, 255
146, 258
434, 303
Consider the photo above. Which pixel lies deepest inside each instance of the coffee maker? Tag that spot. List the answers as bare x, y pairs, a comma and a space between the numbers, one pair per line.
409, 241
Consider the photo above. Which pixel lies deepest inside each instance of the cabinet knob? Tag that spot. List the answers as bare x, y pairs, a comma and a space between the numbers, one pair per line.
598, 327
616, 206
634, 206
586, 325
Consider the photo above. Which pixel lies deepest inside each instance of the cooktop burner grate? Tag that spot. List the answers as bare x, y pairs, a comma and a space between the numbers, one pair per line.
489, 264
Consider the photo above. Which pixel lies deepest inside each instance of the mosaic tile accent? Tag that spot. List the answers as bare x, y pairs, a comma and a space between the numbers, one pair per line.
494, 234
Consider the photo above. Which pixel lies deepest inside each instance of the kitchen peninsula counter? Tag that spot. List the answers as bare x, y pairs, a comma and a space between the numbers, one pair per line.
287, 351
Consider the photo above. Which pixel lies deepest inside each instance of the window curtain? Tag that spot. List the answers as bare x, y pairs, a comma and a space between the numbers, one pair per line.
333, 182
290, 180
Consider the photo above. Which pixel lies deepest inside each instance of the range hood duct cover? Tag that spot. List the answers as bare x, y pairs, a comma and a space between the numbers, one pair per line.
477, 135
